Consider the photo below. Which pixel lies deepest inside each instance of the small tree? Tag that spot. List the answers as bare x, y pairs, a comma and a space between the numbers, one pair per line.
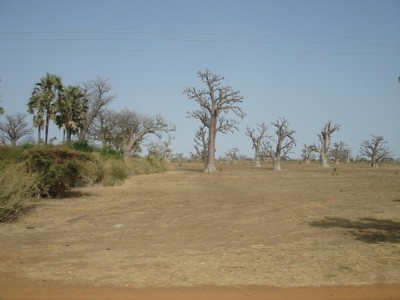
375, 150
200, 144
257, 138
325, 139
307, 153
340, 152
14, 128
279, 147
215, 102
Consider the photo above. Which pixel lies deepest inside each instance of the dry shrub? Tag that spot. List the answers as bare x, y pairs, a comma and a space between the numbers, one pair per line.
60, 168
17, 189
115, 171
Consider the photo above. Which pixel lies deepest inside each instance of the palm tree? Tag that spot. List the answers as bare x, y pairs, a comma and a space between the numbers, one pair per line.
69, 111
42, 102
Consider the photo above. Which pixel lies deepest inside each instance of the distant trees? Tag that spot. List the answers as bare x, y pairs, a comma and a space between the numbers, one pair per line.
14, 128
340, 152
130, 128
97, 95
257, 137
375, 150
215, 101
42, 102
307, 153
325, 139
69, 111
281, 143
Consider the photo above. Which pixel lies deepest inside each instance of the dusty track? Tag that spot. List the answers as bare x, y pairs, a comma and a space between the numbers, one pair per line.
303, 227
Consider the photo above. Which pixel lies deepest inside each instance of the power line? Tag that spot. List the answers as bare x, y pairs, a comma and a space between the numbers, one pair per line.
199, 40
199, 51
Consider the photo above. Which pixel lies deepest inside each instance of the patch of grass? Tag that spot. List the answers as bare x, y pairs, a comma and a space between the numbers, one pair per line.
115, 171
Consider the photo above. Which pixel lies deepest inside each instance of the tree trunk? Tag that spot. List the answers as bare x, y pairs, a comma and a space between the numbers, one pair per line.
277, 163
46, 130
324, 160
210, 163
257, 160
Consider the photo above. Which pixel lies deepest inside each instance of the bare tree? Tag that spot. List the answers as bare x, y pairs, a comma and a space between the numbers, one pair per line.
340, 152
279, 147
325, 139
161, 148
14, 128
375, 150
215, 102
201, 144
132, 127
102, 127
257, 137
307, 153
97, 95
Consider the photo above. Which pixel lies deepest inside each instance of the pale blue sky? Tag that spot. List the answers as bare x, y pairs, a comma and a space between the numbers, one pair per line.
306, 60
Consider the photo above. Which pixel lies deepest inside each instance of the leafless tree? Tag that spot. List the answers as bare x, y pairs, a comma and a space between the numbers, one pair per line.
102, 128
279, 147
161, 148
257, 137
132, 127
97, 95
307, 153
201, 144
340, 152
215, 102
325, 139
375, 150
14, 128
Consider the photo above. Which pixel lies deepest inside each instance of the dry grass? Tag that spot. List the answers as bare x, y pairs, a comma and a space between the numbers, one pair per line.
304, 226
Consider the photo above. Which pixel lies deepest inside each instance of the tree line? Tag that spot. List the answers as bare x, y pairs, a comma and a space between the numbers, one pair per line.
216, 101
83, 111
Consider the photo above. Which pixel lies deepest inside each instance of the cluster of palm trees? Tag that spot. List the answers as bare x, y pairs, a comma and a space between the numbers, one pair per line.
65, 106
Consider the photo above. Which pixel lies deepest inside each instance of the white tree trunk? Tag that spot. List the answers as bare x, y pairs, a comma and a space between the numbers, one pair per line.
324, 160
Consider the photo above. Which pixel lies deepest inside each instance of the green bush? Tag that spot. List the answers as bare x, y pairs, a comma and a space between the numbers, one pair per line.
60, 168
82, 146
17, 188
110, 153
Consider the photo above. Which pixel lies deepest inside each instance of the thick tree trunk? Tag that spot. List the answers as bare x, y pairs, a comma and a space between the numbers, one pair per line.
277, 163
324, 160
210, 163
257, 160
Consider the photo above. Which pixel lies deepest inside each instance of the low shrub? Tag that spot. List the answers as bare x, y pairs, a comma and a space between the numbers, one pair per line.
18, 187
115, 171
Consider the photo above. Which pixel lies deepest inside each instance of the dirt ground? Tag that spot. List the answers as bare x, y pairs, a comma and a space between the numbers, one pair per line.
243, 233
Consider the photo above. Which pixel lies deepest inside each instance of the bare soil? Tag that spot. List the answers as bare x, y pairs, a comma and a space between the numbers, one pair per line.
242, 233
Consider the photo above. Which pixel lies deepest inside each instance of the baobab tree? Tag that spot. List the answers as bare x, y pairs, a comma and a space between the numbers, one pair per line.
375, 150
307, 153
325, 139
97, 95
278, 147
257, 137
340, 152
14, 128
215, 102
132, 127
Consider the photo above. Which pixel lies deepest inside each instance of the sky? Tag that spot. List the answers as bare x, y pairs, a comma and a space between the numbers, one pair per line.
309, 61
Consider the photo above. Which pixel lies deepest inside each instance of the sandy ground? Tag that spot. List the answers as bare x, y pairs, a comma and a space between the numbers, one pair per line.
240, 234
